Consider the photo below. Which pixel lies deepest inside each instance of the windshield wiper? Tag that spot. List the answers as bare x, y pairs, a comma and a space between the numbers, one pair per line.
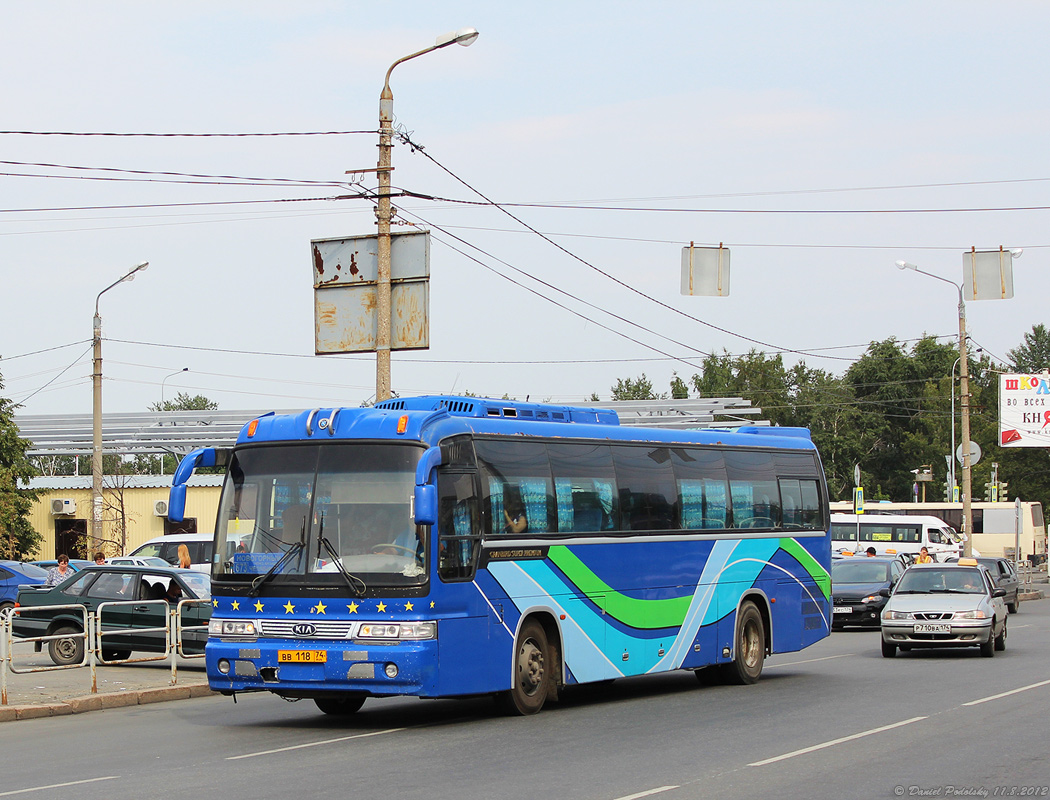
357, 586
281, 562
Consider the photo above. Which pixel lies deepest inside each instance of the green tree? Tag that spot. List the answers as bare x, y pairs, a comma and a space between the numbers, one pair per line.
184, 402
640, 388
1032, 355
18, 539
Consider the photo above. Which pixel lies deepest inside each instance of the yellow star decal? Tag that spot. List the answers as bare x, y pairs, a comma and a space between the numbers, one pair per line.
215, 602
258, 605
236, 605
409, 606
381, 607
353, 608
431, 603
288, 607
319, 608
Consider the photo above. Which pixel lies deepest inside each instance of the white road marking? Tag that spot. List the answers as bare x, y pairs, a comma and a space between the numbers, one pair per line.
314, 744
1006, 694
808, 661
834, 742
59, 785
648, 792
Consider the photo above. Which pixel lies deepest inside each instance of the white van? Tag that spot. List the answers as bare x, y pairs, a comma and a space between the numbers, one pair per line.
892, 534
167, 547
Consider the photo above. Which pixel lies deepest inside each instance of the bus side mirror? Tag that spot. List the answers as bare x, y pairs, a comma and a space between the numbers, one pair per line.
426, 504
177, 503
425, 496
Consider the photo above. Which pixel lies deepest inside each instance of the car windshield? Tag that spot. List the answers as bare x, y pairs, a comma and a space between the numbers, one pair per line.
32, 570
859, 571
334, 511
946, 579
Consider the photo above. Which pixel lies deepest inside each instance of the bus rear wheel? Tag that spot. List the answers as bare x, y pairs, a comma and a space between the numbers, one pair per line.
340, 705
532, 660
749, 652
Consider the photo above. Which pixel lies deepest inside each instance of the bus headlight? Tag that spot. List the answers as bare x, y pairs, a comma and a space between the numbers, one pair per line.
231, 627
414, 631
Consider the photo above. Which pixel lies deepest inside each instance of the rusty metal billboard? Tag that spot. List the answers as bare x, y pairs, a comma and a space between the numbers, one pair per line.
705, 271
345, 274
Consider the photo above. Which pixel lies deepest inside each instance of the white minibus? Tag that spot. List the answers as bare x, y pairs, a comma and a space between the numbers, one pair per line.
892, 534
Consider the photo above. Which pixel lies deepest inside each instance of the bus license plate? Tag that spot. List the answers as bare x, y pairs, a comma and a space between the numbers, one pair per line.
842, 610
921, 627
302, 656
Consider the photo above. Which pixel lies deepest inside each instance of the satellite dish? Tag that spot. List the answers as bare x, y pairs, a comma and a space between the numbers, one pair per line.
975, 453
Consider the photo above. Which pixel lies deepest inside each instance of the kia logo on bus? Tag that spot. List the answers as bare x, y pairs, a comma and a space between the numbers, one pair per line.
304, 629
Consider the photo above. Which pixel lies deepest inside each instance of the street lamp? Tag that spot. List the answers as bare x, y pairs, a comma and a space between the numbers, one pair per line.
384, 211
176, 372
96, 414
964, 408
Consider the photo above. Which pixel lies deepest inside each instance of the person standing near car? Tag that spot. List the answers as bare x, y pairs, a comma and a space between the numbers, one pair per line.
57, 574
100, 558
924, 556
184, 557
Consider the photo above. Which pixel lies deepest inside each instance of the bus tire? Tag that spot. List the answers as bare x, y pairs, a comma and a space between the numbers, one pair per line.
532, 660
340, 705
749, 652
66, 651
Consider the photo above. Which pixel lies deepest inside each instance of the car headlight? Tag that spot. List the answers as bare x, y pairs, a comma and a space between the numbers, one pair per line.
976, 614
231, 627
398, 630
896, 615
872, 598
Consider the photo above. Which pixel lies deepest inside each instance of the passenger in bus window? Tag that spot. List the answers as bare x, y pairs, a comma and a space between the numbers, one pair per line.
514, 513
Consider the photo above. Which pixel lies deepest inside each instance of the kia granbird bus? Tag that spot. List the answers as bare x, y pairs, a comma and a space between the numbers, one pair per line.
454, 546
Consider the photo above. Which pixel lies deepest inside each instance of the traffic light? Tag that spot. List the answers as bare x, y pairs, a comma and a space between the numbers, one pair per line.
990, 491
1002, 491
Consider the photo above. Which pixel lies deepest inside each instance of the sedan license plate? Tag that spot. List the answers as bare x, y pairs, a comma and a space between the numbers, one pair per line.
302, 656
926, 627
842, 610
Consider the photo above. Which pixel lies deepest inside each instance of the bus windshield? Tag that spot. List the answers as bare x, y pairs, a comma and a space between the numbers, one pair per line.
321, 513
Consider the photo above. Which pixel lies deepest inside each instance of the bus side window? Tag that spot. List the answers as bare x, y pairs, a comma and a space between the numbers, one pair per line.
459, 540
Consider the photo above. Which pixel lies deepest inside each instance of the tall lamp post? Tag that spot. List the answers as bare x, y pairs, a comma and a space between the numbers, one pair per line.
964, 406
176, 372
96, 414
384, 211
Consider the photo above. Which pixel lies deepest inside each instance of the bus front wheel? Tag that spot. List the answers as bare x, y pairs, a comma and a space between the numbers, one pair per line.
340, 705
749, 653
532, 660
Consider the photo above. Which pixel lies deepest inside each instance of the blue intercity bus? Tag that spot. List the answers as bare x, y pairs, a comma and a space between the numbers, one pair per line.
452, 546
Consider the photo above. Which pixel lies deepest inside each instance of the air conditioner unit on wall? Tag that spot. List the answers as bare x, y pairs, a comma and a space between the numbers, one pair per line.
160, 508
63, 506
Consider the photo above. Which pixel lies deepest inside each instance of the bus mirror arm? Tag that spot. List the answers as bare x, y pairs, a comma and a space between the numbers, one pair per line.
425, 497
201, 457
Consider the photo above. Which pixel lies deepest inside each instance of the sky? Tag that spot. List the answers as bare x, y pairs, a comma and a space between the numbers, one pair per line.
819, 141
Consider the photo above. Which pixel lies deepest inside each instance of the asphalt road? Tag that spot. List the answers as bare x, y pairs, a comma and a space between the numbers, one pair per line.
834, 721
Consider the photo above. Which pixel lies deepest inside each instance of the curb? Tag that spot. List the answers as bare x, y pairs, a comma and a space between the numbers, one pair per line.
1035, 594
100, 702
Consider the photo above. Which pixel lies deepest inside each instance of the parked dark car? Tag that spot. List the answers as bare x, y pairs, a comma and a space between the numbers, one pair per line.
95, 585
14, 574
855, 585
1004, 576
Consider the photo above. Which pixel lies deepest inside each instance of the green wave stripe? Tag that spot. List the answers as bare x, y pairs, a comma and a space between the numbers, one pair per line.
671, 611
641, 614
816, 571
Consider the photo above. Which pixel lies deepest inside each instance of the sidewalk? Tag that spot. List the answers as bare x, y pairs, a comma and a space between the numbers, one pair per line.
68, 691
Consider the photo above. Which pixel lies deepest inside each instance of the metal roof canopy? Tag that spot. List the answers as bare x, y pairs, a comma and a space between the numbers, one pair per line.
178, 432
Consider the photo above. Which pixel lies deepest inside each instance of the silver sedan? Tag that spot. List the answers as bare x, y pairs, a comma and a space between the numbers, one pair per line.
945, 605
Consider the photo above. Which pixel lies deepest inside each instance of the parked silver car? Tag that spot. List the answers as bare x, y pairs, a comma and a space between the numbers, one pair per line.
945, 605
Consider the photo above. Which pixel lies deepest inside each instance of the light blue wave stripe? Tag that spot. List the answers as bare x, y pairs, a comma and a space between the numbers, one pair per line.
582, 653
